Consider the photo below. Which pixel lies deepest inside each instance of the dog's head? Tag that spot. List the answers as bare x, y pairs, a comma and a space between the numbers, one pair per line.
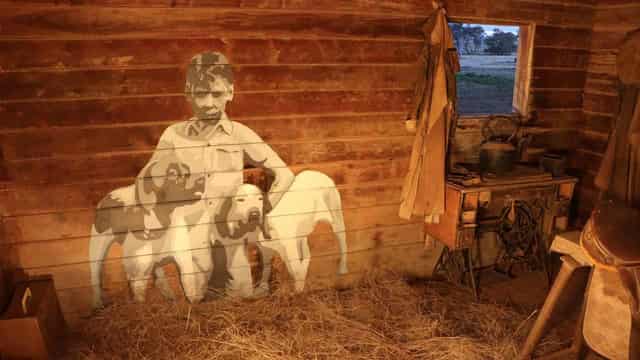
242, 212
168, 181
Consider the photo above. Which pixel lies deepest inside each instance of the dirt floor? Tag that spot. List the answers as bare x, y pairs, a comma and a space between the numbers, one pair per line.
485, 84
381, 317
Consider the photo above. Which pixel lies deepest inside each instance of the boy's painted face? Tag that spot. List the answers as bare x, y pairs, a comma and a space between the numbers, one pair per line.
209, 98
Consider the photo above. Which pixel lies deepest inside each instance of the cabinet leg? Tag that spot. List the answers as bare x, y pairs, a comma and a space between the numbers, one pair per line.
472, 276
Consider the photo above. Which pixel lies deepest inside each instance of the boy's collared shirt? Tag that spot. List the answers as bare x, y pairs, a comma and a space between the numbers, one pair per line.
219, 152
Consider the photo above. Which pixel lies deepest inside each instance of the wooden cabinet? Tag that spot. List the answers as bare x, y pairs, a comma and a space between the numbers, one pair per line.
470, 208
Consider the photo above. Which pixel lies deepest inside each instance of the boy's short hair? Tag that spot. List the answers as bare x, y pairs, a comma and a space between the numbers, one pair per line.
205, 66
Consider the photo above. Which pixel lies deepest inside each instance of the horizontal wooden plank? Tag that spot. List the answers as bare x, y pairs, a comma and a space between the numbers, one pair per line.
542, 13
601, 103
78, 141
416, 7
114, 276
107, 83
567, 13
407, 7
598, 122
616, 3
560, 57
558, 79
178, 52
32, 256
612, 16
559, 140
593, 141
594, 84
322, 267
77, 224
57, 170
165, 109
82, 22
603, 63
555, 99
562, 119
587, 161
607, 39
602, 77
561, 38
23, 199
259, 4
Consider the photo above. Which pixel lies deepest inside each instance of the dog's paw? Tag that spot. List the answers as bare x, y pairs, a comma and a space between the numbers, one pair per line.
167, 293
342, 268
261, 291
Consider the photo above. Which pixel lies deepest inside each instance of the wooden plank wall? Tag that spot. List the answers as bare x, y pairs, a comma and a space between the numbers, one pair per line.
612, 21
87, 86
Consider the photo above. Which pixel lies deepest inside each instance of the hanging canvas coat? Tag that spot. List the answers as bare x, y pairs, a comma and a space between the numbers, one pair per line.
433, 109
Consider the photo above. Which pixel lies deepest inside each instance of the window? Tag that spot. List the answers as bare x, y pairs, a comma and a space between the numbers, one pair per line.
495, 67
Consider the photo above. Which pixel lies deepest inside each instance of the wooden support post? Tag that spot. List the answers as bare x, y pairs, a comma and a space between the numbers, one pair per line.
569, 266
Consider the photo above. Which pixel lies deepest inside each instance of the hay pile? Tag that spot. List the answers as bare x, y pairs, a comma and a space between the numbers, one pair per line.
380, 318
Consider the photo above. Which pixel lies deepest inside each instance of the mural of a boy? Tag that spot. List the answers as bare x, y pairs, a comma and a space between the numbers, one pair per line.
211, 144
190, 196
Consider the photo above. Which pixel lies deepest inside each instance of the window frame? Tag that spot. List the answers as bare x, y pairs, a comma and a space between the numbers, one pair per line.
521, 103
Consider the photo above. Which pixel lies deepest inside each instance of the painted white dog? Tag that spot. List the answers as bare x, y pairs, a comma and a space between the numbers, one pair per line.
148, 220
312, 197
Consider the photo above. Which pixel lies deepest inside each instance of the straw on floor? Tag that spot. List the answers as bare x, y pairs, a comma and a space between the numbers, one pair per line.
382, 317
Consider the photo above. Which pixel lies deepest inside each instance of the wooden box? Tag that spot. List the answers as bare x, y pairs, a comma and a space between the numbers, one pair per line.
5, 291
37, 333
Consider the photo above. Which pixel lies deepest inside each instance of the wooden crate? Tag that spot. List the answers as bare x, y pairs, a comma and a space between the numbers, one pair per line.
5, 292
37, 333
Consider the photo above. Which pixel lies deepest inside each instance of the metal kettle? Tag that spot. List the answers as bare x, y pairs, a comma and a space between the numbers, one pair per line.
498, 155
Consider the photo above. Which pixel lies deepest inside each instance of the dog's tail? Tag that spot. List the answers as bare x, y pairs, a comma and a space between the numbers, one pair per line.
339, 229
98, 247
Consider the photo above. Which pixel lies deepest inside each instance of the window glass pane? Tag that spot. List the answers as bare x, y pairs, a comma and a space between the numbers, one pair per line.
488, 59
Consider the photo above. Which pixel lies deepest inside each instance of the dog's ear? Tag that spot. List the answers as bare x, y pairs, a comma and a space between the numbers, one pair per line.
222, 218
147, 186
159, 171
